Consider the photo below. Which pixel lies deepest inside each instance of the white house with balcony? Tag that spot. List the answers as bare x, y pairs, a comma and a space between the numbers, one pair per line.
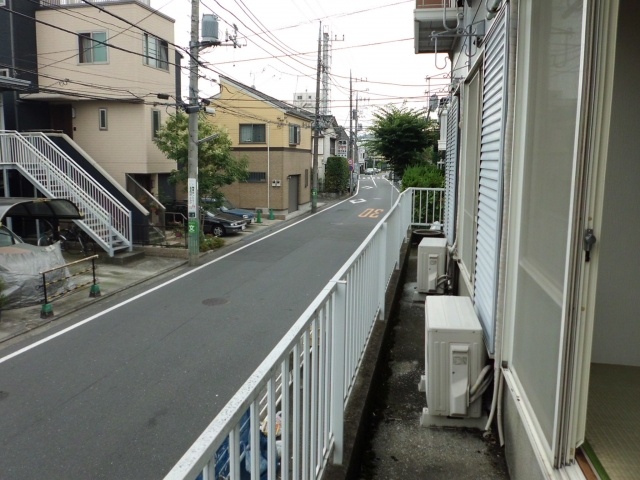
542, 214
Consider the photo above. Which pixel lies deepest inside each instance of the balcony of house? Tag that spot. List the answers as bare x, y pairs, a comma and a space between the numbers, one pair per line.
435, 25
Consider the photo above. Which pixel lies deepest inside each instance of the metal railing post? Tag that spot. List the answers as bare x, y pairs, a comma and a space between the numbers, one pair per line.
381, 277
337, 371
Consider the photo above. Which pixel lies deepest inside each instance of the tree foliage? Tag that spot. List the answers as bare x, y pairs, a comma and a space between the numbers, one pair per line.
217, 166
336, 175
425, 175
403, 136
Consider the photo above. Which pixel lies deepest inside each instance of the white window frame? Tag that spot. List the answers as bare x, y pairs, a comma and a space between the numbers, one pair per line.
103, 123
152, 48
90, 35
156, 122
294, 134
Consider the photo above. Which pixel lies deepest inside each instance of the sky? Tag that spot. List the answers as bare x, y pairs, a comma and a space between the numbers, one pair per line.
371, 40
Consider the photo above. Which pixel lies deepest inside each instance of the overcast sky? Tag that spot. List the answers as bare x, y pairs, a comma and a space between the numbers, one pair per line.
371, 39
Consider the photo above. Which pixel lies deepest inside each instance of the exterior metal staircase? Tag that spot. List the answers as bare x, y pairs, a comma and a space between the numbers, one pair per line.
57, 175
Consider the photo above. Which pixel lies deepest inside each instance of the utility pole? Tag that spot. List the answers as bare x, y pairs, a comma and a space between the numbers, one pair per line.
350, 150
316, 131
192, 156
356, 159
193, 110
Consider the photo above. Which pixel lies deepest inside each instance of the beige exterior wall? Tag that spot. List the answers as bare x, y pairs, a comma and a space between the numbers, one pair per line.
275, 156
124, 75
126, 146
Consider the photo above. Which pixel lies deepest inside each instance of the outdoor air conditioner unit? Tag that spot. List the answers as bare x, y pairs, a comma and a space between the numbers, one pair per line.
455, 358
432, 256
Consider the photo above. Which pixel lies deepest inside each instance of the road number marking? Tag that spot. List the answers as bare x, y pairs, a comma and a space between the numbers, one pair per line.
371, 213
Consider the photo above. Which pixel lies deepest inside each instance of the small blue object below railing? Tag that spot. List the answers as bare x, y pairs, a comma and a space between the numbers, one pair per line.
222, 459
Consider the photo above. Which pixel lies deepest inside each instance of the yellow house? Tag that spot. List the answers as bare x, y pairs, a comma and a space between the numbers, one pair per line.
276, 138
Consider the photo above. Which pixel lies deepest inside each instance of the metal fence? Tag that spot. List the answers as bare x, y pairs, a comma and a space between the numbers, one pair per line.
306, 381
428, 206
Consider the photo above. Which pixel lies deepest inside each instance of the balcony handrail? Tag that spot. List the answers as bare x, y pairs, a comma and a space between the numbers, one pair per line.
318, 359
105, 219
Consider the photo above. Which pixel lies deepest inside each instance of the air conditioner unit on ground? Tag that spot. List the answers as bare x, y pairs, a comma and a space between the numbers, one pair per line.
455, 356
432, 257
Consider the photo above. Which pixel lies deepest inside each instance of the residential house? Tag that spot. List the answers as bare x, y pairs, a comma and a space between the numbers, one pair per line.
102, 76
332, 136
543, 211
276, 139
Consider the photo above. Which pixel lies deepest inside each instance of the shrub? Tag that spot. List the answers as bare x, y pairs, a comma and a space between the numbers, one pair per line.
423, 176
336, 175
210, 242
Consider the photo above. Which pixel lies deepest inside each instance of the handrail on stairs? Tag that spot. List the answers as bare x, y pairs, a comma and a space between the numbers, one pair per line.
56, 174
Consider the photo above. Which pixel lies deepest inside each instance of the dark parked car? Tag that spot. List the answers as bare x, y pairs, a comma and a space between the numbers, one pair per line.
225, 206
218, 224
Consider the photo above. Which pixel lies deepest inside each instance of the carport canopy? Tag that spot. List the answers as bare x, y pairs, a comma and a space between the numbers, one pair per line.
52, 209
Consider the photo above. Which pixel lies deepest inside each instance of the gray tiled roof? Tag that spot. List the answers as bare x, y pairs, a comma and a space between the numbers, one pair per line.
284, 106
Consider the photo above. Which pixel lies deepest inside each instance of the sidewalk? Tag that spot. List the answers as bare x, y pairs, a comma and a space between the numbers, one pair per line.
113, 276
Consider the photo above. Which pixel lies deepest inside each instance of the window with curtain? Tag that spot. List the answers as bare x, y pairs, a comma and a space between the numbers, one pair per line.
294, 134
252, 133
91, 47
156, 52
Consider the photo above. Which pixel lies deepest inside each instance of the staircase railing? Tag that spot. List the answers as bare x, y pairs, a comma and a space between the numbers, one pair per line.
57, 175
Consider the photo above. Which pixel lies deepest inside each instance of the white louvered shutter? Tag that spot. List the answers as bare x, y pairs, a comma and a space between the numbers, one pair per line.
494, 111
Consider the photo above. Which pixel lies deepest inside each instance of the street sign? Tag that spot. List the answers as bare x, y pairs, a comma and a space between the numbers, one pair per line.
193, 227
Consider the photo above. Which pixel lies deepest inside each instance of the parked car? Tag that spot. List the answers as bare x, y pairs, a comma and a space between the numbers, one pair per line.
370, 171
218, 224
225, 206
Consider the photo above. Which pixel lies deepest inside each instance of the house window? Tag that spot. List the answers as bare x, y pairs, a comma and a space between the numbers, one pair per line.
156, 52
252, 133
92, 47
255, 177
306, 178
294, 134
155, 122
102, 119
332, 146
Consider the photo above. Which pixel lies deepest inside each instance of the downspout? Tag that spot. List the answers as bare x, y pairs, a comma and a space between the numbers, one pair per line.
506, 188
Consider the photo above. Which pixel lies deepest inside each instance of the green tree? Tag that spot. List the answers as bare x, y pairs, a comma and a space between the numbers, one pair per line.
336, 175
403, 136
217, 166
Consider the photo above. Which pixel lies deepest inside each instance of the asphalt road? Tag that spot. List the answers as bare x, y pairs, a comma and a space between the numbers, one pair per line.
123, 395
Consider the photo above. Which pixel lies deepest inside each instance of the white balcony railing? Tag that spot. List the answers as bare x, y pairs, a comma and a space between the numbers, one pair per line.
306, 381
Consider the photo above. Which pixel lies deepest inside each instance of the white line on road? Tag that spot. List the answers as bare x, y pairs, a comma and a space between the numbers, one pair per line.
110, 309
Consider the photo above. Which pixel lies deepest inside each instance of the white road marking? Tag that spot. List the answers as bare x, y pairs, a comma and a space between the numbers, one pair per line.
110, 309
